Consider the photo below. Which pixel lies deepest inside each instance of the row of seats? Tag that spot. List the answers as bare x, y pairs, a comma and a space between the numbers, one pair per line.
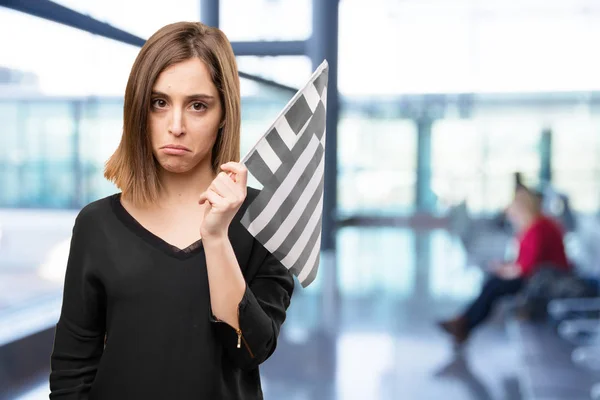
578, 324
560, 356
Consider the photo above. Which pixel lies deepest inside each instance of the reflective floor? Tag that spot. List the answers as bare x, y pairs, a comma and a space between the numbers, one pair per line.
380, 341
376, 338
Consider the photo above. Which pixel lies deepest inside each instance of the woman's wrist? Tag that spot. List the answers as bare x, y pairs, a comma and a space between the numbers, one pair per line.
215, 239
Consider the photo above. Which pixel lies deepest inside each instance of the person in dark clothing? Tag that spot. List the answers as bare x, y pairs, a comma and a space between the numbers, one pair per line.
540, 242
167, 295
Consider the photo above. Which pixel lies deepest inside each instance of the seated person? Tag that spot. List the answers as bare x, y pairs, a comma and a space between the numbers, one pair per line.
540, 243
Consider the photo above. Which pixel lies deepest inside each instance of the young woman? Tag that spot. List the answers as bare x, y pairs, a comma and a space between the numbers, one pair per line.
540, 243
166, 295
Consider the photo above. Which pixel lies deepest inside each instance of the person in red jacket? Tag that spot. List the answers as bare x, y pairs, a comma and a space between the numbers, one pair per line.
540, 243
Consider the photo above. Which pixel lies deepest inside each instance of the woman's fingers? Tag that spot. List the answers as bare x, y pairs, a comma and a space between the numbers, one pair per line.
239, 171
226, 188
211, 196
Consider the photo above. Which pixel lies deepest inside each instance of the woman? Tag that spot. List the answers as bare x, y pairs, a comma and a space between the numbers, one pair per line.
540, 243
166, 295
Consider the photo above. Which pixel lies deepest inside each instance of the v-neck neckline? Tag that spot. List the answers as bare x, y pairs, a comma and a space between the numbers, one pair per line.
154, 240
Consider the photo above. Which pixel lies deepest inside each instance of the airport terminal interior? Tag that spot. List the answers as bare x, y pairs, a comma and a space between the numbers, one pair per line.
438, 111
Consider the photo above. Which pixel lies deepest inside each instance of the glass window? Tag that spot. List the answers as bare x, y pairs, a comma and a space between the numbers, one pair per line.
62, 61
576, 160
412, 41
532, 48
251, 20
512, 143
376, 165
10, 153
44, 99
293, 71
476, 159
140, 18
101, 126
483, 46
456, 160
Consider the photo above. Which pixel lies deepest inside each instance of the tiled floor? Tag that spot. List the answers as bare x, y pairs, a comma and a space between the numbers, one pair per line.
394, 285
376, 338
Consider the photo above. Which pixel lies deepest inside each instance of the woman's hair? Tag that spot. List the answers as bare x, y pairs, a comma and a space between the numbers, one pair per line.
133, 168
528, 200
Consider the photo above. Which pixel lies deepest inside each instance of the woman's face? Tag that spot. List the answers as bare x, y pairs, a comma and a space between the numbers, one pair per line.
184, 117
520, 210
515, 213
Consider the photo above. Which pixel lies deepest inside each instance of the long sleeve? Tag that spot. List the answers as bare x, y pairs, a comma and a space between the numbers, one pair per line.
530, 253
79, 336
262, 311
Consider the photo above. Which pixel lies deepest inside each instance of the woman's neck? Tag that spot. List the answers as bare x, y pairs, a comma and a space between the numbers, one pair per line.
529, 221
184, 188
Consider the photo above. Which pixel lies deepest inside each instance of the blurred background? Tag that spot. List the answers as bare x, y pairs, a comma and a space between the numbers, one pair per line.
433, 107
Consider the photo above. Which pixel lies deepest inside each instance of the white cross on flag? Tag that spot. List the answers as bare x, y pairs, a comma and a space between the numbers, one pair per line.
289, 162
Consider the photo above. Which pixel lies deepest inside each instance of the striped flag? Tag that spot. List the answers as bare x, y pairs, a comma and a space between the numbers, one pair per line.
289, 162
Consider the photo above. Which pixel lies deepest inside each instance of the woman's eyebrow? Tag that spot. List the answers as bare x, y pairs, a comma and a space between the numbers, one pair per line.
189, 97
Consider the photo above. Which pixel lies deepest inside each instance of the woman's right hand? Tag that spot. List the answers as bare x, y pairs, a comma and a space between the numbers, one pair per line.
508, 271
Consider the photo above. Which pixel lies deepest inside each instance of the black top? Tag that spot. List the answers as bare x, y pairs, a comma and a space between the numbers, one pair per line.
152, 301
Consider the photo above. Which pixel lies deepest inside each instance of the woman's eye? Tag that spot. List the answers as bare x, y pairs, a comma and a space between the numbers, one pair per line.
198, 106
159, 103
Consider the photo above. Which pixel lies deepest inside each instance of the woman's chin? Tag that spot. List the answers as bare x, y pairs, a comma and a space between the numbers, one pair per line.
176, 167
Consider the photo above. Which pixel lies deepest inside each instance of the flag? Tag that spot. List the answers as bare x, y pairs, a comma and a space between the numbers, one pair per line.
289, 161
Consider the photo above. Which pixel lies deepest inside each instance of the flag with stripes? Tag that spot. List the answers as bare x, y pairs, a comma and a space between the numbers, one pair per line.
289, 162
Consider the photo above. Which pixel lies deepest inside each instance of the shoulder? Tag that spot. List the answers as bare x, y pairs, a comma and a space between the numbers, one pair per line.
96, 211
549, 224
545, 228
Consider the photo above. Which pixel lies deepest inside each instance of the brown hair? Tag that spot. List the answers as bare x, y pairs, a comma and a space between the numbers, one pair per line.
132, 168
529, 200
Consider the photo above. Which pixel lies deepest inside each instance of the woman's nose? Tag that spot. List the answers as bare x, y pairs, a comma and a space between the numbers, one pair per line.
176, 126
